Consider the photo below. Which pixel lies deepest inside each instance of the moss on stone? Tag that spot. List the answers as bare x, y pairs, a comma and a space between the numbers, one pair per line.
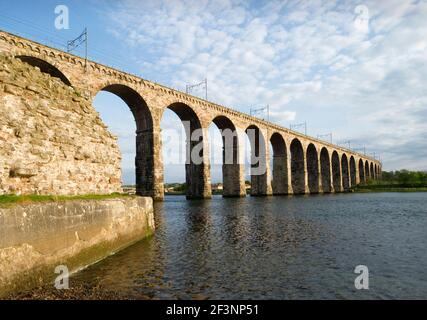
8, 200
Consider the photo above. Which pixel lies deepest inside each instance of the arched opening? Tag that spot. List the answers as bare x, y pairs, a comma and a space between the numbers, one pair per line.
136, 146
367, 173
312, 169
197, 171
336, 172
258, 161
345, 174
279, 181
352, 171
227, 159
297, 167
325, 170
362, 177
45, 67
372, 172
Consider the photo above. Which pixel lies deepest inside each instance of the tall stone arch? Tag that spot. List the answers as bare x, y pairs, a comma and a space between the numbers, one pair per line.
145, 140
362, 176
345, 172
325, 170
353, 172
298, 167
197, 167
312, 168
367, 172
336, 172
258, 162
280, 179
232, 169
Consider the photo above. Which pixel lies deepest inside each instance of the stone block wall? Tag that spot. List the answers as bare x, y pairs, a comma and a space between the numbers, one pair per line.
52, 141
35, 238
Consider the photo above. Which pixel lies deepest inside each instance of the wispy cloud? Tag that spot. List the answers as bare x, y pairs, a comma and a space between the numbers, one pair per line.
309, 60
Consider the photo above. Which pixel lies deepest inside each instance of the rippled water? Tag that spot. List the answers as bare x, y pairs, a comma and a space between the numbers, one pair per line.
275, 248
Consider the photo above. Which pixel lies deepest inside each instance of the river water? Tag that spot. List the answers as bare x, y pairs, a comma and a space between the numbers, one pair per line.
304, 247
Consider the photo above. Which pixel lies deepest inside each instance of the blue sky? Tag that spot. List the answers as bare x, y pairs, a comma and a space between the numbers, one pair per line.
356, 69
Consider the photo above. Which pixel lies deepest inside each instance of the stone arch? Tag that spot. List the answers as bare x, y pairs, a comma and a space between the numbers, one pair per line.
336, 172
312, 169
362, 177
325, 170
232, 173
378, 171
144, 158
259, 181
44, 67
345, 172
197, 170
352, 171
367, 173
297, 167
280, 182
372, 172
136, 103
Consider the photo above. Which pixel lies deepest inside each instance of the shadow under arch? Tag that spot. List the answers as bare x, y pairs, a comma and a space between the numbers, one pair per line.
336, 172
352, 171
345, 172
367, 173
313, 168
280, 179
362, 177
144, 139
325, 170
197, 176
377, 171
232, 173
258, 161
44, 67
297, 167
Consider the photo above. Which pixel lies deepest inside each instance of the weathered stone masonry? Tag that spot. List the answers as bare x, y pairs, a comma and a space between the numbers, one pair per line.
301, 164
52, 140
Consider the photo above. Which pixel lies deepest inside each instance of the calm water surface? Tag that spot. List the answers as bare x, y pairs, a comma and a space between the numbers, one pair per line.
275, 248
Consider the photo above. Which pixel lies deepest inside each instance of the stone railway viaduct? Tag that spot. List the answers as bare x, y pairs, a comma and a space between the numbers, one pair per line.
301, 164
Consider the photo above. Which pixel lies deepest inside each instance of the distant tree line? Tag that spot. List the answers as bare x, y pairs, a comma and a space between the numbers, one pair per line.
177, 187
404, 178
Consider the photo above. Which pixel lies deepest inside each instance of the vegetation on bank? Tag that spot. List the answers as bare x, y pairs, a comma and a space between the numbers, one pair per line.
396, 181
16, 199
387, 188
175, 188
391, 181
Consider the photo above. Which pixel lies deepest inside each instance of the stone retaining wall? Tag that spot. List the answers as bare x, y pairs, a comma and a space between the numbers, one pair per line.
35, 238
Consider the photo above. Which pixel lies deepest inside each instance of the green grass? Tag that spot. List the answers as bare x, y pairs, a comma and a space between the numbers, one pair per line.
362, 189
14, 199
389, 187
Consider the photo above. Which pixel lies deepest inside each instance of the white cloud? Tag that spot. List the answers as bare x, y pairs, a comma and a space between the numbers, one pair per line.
305, 59
282, 115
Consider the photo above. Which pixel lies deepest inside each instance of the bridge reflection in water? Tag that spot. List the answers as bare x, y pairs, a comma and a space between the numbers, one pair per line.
274, 248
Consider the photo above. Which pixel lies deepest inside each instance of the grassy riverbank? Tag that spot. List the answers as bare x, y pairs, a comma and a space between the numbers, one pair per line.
6, 200
388, 188
396, 181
